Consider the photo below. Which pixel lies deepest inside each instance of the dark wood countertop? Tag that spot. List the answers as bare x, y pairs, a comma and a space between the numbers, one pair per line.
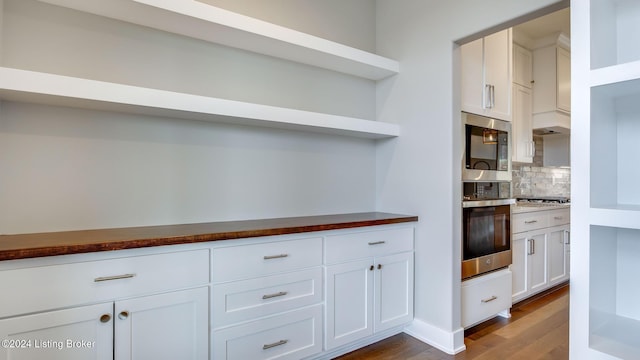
23, 246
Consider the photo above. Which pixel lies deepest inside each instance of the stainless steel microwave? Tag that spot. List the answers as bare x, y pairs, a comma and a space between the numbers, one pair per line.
487, 149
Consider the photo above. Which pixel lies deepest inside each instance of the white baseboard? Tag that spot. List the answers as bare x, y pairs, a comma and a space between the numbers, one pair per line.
449, 342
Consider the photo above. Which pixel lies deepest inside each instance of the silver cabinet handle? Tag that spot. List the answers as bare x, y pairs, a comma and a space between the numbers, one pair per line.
489, 299
558, 217
531, 221
376, 243
269, 257
567, 237
115, 277
530, 249
269, 346
269, 296
493, 96
487, 96
533, 246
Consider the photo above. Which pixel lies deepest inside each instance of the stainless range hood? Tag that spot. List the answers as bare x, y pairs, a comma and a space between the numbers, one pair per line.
552, 122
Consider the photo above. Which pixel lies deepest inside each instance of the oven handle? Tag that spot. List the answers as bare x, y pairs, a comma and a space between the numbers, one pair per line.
482, 203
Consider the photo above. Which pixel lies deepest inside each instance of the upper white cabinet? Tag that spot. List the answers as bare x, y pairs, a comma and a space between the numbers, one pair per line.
486, 76
522, 66
198, 20
552, 86
605, 198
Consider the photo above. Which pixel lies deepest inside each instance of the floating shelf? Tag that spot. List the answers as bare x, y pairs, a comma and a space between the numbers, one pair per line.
620, 216
202, 21
36, 87
615, 74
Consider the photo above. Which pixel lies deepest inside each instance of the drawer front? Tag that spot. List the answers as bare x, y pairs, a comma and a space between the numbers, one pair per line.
249, 299
485, 297
293, 335
559, 217
529, 221
359, 245
257, 260
49, 287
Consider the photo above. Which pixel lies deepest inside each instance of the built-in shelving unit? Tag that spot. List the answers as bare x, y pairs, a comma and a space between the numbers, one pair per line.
37, 87
605, 251
202, 21
198, 20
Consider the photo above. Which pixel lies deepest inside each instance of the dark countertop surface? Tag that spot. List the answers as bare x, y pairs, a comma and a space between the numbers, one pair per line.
23, 246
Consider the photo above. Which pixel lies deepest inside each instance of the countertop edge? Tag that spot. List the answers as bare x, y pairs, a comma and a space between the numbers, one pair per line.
24, 246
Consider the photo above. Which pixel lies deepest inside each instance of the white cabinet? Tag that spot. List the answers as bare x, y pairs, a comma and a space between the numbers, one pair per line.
522, 66
523, 147
605, 224
486, 76
539, 248
485, 296
162, 326
552, 86
369, 284
267, 300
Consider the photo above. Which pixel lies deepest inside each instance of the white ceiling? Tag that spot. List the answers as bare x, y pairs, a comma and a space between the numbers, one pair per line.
553, 23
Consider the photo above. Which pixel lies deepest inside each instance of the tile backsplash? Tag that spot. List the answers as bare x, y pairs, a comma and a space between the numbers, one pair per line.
540, 181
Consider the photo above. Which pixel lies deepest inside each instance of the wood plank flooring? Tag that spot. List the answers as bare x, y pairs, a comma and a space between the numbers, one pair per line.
538, 329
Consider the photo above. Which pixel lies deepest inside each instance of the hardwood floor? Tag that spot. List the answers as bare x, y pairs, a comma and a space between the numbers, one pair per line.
538, 329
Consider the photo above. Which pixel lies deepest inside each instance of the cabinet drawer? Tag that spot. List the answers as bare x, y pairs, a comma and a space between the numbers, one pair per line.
249, 299
293, 335
485, 296
559, 217
55, 286
529, 221
256, 260
367, 244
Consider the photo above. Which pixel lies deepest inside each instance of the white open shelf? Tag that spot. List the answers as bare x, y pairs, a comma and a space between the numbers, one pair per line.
616, 335
614, 32
36, 87
620, 216
209, 23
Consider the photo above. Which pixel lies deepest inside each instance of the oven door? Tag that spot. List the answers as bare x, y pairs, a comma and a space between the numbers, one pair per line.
486, 236
487, 154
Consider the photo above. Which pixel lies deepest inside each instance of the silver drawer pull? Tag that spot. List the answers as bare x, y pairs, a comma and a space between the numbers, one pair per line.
558, 218
377, 243
269, 257
489, 299
115, 277
269, 296
531, 221
269, 346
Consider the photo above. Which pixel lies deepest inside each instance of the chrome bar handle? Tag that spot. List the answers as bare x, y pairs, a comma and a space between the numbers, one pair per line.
269, 257
269, 346
529, 251
269, 296
487, 96
115, 277
493, 96
377, 243
567, 237
531, 221
533, 246
489, 299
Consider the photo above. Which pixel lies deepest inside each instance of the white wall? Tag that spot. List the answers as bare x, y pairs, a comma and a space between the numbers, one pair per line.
420, 173
64, 168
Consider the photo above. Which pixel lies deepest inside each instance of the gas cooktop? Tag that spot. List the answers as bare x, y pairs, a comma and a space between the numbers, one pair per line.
542, 200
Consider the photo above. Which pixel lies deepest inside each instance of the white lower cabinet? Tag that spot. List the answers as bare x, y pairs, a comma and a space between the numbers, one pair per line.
485, 296
540, 248
369, 293
169, 325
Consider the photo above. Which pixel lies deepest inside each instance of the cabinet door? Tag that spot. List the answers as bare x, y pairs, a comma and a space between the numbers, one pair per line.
393, 301
520, 280
558, 267
522, 125
537, 261
563, 73
497, 73
472, 76
522, 66
166, 326
349, 302
77, 333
